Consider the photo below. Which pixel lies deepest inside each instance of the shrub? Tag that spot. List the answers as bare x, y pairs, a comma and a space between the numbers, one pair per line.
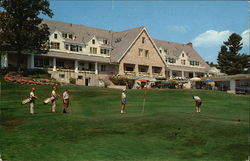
120, 80
72, 80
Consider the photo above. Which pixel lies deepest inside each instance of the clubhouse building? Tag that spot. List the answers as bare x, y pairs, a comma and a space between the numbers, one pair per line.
91, 55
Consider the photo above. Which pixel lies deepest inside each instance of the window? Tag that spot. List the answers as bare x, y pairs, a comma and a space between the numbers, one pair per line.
143, 40
80, 48
93, 41
66, 46
79, 77
93, 50
160, 51
140, 52
105, 41
182, 55
55, 36
183, 62
146, 53
103, 67
73, 48
61, 75
129, 68
70, 36
105, 51
65, 35
171, 60
194, 63
54, 45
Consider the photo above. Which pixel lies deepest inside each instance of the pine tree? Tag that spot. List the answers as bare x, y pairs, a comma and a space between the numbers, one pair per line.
21, 30
229, 59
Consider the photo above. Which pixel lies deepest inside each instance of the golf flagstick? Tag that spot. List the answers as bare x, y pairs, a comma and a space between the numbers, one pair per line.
144, 99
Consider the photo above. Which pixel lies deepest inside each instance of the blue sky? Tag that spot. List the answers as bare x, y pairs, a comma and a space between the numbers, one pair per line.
204, 23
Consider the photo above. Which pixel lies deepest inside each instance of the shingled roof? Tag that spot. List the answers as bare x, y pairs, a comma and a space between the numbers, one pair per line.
119, 41
175, 49
83, 33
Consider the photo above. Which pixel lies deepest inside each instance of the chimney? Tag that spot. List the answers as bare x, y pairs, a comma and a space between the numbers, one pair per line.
190, 44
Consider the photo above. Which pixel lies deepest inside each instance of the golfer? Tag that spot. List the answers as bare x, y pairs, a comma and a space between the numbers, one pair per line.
54, 96
65, 100
32, 100
124, 100
198, 103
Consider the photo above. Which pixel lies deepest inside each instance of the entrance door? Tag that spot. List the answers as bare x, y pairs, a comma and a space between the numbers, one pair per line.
86, 81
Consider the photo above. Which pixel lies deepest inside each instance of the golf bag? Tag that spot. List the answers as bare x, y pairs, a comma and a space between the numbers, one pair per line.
48, 100
25, 101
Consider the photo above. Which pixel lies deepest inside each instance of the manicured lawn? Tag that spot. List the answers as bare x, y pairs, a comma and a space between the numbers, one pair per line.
168, 130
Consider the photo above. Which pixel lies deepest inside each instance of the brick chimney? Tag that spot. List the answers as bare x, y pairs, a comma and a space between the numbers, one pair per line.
190, 44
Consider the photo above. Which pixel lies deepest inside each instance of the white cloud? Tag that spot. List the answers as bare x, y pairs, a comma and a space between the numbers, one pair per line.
211, 38
180, 28
245, 37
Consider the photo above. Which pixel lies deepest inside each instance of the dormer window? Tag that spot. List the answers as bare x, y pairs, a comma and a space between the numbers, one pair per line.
65, 35
160, 51
183, 62
70, 36
93, 41
182, 55
55, 36
105, 41
143, 40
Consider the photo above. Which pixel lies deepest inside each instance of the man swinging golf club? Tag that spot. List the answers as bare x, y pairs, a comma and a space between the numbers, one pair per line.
124, 101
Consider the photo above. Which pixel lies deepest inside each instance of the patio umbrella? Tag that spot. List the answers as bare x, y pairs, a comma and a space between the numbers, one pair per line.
142, 80
196, 79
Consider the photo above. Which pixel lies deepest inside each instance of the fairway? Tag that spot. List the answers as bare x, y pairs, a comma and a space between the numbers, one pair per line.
94, 129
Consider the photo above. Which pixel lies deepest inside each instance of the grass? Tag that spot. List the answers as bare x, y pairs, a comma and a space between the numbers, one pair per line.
168, 130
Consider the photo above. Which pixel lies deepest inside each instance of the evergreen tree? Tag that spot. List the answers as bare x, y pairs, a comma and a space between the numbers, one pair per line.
229, 59
21, 30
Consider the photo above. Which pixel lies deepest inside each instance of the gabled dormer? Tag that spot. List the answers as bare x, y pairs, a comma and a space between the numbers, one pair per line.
183, 58
56, 40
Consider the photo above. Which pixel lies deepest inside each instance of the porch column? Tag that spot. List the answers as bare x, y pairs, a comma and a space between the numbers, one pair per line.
150, 68
4, 60
76, 66
54, 64
96, 68
170, 74
30, 61
232, 86
136, 70
182, 74
194, 74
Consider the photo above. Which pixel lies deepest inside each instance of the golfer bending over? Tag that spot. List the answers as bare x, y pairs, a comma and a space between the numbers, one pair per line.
198, 102
124, 100
65, 100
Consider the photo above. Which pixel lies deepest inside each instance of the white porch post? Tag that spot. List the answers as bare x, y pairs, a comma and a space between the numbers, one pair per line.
32, 64
170, 74
96, 68
182, 74
54, 64
232, 86
76, 66
4, 60
194, 75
